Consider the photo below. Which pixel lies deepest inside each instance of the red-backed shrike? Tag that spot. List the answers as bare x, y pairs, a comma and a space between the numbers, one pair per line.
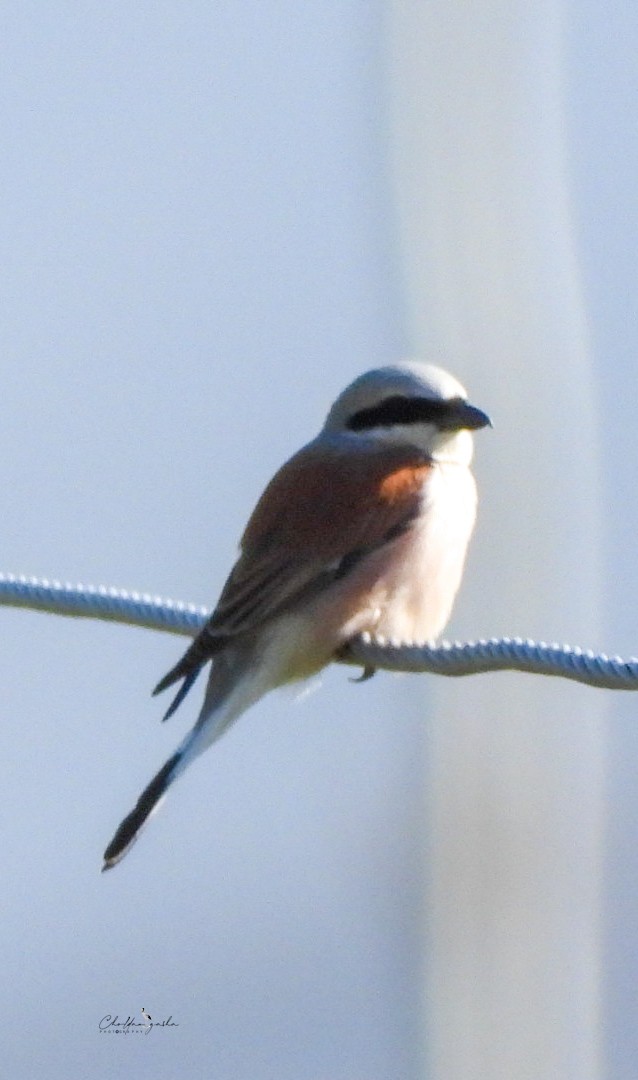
365, 529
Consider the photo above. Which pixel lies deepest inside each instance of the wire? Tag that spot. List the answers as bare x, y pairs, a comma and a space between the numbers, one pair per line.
445, 658
497, 654
102, 602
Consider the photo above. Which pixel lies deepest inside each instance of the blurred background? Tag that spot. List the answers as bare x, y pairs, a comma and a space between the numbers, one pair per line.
213, 216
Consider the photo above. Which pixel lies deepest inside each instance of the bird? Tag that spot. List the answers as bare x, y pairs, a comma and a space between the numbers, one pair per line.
363, 530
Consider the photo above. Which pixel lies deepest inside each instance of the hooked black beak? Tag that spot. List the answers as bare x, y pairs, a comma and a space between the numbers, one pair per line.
463, 416
474, 418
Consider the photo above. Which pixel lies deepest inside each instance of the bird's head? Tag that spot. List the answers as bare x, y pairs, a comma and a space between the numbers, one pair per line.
410, 403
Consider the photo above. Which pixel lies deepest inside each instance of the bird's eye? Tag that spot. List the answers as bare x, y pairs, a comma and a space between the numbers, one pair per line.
400, 410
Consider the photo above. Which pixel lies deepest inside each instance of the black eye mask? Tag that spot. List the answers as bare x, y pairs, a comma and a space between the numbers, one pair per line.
409, 410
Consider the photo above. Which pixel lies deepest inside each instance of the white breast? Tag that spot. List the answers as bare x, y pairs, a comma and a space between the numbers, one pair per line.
422, 574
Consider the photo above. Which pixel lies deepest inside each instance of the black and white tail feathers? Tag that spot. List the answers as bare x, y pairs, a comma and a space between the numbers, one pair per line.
148, 801
227, 696
152, 795
188, 668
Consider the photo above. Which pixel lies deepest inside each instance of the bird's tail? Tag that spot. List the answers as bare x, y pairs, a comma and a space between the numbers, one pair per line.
148, 802
229, 693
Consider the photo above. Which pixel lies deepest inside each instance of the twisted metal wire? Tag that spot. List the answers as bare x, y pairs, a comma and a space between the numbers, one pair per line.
445, 658
102, 602
497, 654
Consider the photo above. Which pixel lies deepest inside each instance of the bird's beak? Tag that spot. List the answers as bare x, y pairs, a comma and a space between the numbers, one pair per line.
474, 418
465, 416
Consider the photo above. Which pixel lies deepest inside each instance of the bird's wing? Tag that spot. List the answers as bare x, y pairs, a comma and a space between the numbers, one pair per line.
327, 507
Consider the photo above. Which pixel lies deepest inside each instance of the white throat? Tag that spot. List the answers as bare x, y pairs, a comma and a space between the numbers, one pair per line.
450, 447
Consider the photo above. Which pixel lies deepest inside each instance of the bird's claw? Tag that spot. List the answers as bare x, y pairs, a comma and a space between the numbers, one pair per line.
367, 673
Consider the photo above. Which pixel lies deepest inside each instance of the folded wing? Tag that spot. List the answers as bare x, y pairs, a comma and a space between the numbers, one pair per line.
325, 509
